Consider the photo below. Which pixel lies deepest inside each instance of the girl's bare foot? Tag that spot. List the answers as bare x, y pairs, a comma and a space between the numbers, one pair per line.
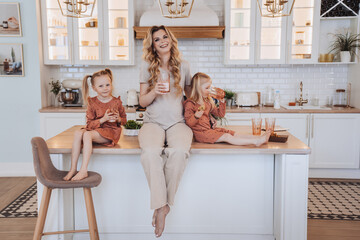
154, 218
160, 220
80, 175
69, 175
263, 138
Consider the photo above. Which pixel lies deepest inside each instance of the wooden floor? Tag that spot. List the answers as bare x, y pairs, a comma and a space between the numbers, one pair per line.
15, 228
22, 228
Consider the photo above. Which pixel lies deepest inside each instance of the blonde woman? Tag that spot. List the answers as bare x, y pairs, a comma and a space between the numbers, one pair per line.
163, 78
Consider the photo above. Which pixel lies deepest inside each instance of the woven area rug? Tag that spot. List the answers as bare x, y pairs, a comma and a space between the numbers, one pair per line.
334, 200
23, 206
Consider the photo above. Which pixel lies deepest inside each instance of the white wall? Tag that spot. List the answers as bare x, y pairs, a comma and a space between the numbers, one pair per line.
20, 99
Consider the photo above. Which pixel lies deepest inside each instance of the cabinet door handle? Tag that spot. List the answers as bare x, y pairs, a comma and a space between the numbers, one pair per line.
307, 126
312, 126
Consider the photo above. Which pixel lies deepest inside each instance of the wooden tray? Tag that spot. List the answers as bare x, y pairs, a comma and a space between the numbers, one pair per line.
278, 138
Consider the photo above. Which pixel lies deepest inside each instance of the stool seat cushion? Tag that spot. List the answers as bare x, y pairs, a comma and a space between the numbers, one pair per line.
56, 181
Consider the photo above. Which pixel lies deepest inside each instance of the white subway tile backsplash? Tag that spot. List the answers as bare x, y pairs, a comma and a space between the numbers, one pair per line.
207, 55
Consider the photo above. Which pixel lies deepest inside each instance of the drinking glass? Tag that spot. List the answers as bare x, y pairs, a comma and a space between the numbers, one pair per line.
165, 81
256, 126
270, 124
217, 93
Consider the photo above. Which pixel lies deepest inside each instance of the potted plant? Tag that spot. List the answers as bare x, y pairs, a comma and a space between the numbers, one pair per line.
55, 87
229, 96
131, 128
345, 45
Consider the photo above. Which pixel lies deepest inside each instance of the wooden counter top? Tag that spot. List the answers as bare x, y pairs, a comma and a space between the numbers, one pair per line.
233, 109
75, 109
62, 143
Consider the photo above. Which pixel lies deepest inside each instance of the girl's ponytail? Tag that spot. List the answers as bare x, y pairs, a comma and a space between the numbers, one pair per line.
109, 72
85, 88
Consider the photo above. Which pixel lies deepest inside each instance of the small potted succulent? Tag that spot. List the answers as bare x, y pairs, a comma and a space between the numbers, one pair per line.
229, 96
131, 128
345, 45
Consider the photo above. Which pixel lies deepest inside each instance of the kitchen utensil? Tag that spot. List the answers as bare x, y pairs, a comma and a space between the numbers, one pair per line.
71, 83
339, 98
132, 98
256, 126
68, 96
165, 80
269, 97
270, 124
84, 43
247, 99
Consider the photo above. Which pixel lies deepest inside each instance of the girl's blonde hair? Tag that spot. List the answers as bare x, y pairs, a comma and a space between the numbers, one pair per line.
197, 80
151, 56
85, 84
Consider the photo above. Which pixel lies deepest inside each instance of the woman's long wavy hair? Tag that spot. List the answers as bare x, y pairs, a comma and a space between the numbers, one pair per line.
85, 84
150, 56
197, 80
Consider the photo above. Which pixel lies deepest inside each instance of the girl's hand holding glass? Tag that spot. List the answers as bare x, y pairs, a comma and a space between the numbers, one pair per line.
109, 116
200, 112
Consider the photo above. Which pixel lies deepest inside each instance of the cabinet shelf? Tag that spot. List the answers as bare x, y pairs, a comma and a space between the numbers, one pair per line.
338, 18
114, 46
187, 32
57, 27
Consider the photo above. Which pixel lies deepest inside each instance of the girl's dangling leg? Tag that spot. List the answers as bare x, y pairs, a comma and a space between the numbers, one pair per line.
88, 138
75, 153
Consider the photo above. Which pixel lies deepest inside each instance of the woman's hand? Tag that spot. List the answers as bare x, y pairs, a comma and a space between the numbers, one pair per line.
160, 89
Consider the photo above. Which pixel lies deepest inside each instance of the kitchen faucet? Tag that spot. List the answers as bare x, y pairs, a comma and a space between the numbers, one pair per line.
301, 101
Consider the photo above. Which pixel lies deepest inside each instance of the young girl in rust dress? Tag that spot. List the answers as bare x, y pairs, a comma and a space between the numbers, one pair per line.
104, 116
198, 108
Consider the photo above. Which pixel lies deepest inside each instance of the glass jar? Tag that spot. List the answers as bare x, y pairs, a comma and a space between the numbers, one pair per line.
299, 37
339, 98
269, 97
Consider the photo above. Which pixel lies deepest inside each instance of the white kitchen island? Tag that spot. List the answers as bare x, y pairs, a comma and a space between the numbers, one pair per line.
227, 192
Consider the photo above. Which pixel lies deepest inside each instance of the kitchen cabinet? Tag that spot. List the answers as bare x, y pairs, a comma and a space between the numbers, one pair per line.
298, 124
252, 39
52, 124
334, 140
240, 119
106, 38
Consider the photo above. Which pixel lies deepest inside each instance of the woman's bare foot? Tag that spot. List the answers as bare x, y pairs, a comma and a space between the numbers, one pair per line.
160, 220
154, 218
69, 175
263, 138
80, 175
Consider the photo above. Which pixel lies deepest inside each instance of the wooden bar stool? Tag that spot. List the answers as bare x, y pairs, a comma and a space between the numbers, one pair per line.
52, 178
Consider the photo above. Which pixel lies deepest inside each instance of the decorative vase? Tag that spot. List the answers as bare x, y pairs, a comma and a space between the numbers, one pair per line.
345, 56
229, 102
55, 100
131, 132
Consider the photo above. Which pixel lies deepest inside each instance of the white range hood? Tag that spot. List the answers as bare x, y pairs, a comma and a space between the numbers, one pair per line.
201, 15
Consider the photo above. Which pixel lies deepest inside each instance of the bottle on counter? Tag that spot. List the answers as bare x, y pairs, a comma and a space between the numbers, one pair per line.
277, 100
5, 24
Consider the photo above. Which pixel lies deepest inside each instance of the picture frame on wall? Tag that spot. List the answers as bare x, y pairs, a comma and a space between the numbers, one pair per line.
11, 60
10, 20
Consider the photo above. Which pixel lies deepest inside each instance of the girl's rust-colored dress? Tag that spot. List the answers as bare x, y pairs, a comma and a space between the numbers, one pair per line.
96, 110
202, 129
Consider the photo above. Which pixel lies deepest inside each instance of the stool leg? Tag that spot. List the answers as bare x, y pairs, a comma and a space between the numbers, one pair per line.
44, 205
94, 233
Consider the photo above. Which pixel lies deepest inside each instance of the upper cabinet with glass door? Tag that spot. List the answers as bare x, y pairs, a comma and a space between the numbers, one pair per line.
119, 39
302, 39
104, 38
270, 38
57, 32
240, 33
88, 38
